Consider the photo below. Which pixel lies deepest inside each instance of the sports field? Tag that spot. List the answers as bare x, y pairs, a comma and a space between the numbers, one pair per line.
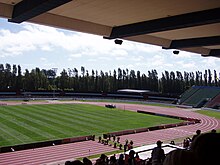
20, 124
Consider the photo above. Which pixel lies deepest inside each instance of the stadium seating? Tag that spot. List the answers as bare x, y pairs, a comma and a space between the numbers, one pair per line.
198, 96
214, 103
188, 93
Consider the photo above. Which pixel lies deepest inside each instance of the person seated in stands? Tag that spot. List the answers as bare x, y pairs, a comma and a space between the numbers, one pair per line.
206, 147
172, 142
113, 160
157, 154
77, 162
204, 151
137, 159
121, 160
213, 131
103, 160
68, 162
179, 157
198, 132
131, 159
186, 143
86, 161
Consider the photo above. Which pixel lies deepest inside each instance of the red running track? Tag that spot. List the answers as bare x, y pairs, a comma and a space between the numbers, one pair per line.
70, 151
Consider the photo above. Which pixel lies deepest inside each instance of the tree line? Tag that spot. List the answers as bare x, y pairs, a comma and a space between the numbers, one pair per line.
12, 78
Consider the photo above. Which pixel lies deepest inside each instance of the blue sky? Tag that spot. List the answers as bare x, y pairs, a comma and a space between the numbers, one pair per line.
31, 46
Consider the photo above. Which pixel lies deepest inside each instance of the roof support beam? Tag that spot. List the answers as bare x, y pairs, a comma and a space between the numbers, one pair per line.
168, 23
194, 42
213, 52
28, 9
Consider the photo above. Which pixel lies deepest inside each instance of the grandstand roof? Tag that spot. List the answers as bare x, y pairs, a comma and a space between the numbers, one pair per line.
133, 91
172, 24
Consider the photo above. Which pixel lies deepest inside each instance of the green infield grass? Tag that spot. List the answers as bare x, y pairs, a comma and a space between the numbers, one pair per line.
23, 124
210, 113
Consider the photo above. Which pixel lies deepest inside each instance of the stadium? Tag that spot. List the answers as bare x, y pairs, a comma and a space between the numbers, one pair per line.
52, 127
182, 122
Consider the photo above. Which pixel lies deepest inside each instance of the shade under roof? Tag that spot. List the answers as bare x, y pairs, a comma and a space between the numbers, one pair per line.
192, 26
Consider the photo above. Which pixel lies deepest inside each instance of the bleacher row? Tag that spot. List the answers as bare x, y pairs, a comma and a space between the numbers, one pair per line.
201, 96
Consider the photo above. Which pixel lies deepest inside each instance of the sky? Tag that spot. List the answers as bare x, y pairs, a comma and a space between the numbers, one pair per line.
31, 45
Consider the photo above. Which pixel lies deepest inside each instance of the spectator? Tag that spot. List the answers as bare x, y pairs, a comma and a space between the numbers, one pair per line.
158, 154
206, 147
186, 143
113, 160
213, 131
203, 152
103, 160
137, 159
77, 162
131, 159
121, 160
86, 161
172, 142
198, 132
68, 162
179, 157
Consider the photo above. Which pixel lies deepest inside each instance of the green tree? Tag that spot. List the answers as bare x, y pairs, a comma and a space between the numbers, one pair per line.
63, 80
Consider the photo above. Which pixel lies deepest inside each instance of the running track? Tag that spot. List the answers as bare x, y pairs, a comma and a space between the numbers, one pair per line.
60, 153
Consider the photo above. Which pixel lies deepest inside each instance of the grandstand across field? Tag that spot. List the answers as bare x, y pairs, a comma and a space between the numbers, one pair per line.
201, 96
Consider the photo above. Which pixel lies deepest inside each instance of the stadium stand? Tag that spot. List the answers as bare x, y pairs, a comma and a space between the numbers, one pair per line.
214, 103
188, 93
199, 96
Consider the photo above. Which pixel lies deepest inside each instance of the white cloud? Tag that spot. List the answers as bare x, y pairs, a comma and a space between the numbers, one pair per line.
104, 58
82, 49
137, 58
43, 59
184, 54
46, 48
77, 55
119, 52
91, 60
